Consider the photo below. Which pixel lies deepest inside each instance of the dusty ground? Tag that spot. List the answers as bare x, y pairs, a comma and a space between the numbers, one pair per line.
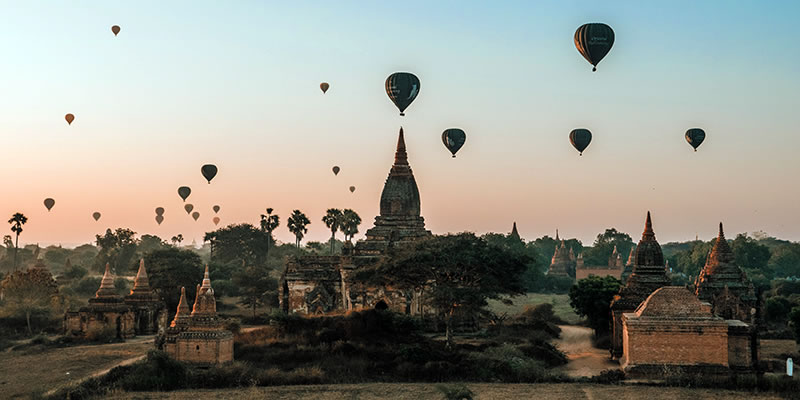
27, 372
584, 360
403, 391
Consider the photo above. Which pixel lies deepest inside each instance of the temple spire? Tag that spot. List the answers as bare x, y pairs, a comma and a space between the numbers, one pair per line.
107, 288
648, 228
557, 235
400, 155
721, 252
206, 280
141, 283
514, 233
183, 308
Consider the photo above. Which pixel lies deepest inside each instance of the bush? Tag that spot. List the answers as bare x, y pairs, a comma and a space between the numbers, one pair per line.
121, 284
158, 372
455, 392
609, 377
87, 286
103, 334
75, 272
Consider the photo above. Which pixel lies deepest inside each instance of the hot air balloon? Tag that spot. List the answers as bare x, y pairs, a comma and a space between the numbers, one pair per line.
402, 88
453, 139
49, 203
695, 137
188, 208
324, 86
159, 210
594, 41
195, 215
580, 139
336, 170
69, 118
184, 192
216, 220
209, 172
216, 209
159, 219
96, 215
352, 189
115, 29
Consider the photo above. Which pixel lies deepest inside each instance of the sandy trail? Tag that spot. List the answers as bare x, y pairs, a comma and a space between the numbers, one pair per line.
584, 359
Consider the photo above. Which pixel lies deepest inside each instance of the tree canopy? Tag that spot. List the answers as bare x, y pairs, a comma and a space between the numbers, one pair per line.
591, 298
169, 269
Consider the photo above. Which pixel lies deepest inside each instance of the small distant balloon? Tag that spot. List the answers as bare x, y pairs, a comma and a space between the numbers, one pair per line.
209, 171
580, 139
159, 210
96, 215
115, 29
695, 137
184, 192
402, 88
188, 208
216, 209
195, 215
49, 203
352, 189
159, 219
216, 220
324, 86
69, 118
594, 41
453, 139
336, 170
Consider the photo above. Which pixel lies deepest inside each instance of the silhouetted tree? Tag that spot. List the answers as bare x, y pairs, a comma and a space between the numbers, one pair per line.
333, 220
604, 245
117, 248
16, 221
256, 287
177, 239
29, 292
350, 222
297, 223
268, 224
591, 298
169, 269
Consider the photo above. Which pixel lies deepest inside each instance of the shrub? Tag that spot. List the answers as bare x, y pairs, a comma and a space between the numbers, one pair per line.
104, 334
87, 286
455, 392
157, 372
121, 285
609, 376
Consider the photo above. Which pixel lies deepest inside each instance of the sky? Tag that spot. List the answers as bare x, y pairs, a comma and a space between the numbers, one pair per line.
236, 84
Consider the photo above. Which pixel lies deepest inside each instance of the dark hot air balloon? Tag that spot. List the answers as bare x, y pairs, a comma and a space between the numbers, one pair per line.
580, 139
324, 86
195, 215
115, 29
216, 209
184, 192
352, 189
188, 208
453, 139
695, 137
216, 220
159, 210
336, 170
69, 118
594, 41
209, 172
96, 215
402, 88
49, 203
159, 219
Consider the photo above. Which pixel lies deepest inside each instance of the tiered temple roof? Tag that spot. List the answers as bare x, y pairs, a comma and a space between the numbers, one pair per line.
562, 263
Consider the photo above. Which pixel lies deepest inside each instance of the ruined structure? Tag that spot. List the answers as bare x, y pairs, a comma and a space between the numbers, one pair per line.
148, 309
673, 331
648, 275
563, 261
106, 311
317, 284
198, 337
626, 272
723, 284
613, 268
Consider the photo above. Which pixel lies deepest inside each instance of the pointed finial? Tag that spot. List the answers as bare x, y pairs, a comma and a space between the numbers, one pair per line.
514, 233
183, 308
648, 227
106, 284
556, 234
206, 279
721, 232
141, 283
400, 156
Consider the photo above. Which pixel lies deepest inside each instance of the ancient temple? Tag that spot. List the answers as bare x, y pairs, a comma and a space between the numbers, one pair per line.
149, 310
723, 284
106, 311
563, 262
322, 284
626, 272
198, 337
648, 275
613, 268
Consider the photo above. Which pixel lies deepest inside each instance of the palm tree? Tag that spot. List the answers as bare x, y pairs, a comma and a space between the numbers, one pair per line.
333, 220
268, 224
350, 223
297, 224
16, 221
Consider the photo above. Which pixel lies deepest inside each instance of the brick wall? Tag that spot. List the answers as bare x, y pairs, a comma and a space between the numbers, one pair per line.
675, 343
583, 273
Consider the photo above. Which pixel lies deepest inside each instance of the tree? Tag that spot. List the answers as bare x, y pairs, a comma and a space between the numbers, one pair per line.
785, 260
148, 243
751, 255
591, 298
350, 222
177, 239
16, 221
456, 272
268, 224
171, 268
794, 318
256, 287
117, 248
239, 244
29, 292
604, 245
297, 223
333, 220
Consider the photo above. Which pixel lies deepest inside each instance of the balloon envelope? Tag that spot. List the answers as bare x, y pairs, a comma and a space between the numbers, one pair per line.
216, 220
336, 170
115, 29
209, 171
594, 41
402, 88
159, 219
580, 139
96, 215
49, 203
159, 210
352, 189
324, 86
195, 215
184, 192
695, 137
453, 139
188, 208
216, 209
69, 118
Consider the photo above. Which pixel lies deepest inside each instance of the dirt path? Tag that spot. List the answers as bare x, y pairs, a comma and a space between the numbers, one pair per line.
584, 359
26, 373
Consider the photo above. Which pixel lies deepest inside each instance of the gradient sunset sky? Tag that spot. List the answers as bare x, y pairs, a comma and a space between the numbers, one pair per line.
236, 84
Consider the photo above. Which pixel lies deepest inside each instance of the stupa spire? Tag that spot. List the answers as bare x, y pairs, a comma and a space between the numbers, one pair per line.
514, 233
183, 309
557, 235
648, 228
107, 288
141, 283
400, 155
721, 252
206, 280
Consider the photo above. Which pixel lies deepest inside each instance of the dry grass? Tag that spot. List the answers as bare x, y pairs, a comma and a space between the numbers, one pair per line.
560, 303
777, 348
